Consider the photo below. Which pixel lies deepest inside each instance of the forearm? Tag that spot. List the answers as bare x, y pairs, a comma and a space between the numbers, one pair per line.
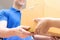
5, 32
54, 22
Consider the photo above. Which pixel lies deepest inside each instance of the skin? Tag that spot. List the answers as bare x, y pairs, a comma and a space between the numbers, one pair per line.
45, 23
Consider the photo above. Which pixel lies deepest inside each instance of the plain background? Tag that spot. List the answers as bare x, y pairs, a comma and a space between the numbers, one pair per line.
4, 4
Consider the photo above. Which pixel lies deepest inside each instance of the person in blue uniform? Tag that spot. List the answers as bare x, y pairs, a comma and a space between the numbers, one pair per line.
10, 28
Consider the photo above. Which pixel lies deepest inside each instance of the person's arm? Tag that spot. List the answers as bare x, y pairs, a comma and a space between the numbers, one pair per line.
43, 23
5, 32
50, 21
8, 32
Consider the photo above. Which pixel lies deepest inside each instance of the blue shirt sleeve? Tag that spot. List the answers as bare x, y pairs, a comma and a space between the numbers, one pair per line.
2, 15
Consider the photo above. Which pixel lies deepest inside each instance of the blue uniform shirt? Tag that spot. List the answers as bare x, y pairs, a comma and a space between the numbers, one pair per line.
13, 18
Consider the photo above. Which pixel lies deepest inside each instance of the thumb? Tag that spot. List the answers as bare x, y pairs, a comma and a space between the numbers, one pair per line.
37, 20
25, 27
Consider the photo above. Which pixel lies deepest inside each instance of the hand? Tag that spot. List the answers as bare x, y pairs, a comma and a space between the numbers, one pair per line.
22, 31
41, 37
41, 24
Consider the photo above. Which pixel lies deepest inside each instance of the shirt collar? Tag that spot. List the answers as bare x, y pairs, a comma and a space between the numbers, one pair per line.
14, 9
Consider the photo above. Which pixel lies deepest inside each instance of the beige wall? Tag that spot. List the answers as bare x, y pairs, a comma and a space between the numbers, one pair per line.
46, 8
4, 4
52, 8
34, 7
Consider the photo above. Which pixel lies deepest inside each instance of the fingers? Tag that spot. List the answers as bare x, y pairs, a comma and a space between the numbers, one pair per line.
23, 33
25, 27
37, 19
41, 37
39, 26
40, 19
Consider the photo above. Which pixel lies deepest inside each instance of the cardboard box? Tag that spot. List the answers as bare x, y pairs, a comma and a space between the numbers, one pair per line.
54, 31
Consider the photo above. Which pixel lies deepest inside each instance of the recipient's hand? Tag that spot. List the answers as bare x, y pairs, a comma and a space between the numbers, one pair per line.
22, 31
41, 37
41, 24
44, 23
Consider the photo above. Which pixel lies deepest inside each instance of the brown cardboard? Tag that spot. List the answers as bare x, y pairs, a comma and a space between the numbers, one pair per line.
54, 31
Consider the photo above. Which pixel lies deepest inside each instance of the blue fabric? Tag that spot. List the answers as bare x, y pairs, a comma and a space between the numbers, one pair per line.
13, 18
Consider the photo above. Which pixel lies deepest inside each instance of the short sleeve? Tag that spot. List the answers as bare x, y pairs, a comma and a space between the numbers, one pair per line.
2, 15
